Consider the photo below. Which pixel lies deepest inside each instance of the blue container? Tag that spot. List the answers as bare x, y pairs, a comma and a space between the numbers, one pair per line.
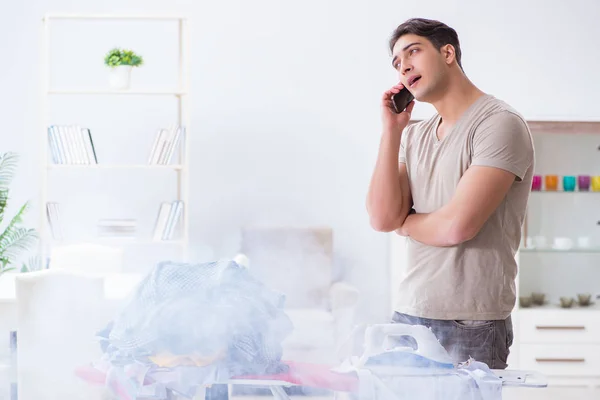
569, 183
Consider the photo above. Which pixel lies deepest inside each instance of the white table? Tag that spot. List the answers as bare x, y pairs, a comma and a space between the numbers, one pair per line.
117, 286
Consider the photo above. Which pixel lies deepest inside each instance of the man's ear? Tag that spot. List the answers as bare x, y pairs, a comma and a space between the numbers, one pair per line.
448, 53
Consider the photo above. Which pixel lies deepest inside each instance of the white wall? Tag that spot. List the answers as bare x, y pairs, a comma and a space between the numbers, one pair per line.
286, 102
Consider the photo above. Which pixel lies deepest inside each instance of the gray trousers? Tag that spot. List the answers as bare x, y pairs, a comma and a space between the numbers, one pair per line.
485, 341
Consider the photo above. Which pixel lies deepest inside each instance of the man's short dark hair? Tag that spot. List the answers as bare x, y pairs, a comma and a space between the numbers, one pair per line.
438, 33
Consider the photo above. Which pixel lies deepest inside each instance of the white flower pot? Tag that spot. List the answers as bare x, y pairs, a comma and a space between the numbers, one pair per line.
120, 77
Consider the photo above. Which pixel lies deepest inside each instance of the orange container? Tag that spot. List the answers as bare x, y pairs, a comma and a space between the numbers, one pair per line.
551, 182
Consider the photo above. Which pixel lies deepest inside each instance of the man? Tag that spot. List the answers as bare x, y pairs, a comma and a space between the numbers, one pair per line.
456, 185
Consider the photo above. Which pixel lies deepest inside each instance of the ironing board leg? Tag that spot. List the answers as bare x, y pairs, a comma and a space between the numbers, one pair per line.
217, 392
279, 393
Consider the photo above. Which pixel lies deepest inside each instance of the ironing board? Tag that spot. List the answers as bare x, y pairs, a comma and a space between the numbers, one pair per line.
317, 376
298, 374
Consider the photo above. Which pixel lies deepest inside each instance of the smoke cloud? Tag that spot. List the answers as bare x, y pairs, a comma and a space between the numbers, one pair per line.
67, 322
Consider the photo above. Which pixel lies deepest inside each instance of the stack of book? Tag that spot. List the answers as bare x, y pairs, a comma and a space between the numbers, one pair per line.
120, 228
71, 144
166, 226
169, 215
165, 144
53, 214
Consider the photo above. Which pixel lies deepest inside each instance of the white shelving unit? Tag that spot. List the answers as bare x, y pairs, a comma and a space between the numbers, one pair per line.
562, 343
181, 95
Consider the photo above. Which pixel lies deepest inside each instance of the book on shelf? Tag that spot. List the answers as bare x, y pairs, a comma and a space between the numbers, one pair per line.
53, 214
165, 143
71, 144
167, 223
169, 216
121, 228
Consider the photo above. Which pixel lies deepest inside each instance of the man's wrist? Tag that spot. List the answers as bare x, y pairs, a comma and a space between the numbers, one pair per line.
407, 222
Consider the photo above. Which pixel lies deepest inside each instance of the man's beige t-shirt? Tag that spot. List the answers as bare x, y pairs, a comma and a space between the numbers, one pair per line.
474, 280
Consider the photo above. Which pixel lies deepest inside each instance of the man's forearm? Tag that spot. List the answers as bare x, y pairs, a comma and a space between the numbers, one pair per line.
385, 202
434, 229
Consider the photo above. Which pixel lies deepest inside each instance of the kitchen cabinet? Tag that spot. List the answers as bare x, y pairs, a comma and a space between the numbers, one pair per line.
559, 257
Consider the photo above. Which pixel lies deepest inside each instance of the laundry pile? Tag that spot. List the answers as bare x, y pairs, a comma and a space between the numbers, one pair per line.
189, 325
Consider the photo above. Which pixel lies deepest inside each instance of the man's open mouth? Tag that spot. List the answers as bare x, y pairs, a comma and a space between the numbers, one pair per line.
413, 79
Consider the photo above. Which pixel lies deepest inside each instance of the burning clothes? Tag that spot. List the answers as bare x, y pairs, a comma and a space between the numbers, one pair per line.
189, 325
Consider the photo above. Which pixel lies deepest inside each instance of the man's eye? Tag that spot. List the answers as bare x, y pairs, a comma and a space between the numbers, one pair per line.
412, 51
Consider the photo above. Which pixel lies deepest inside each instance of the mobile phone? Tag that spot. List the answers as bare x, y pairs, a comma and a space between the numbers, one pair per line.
401, 99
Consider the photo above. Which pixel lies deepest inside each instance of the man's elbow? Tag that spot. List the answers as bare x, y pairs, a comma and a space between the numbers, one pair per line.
460, 233
382, 223
382, 220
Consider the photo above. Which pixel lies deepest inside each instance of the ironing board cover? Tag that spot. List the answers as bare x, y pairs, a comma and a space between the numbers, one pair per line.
302, 374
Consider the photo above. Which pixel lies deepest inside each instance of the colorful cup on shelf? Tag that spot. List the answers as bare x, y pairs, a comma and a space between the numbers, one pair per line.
596, 183
583, 181
552, 182
569, 183
536, 183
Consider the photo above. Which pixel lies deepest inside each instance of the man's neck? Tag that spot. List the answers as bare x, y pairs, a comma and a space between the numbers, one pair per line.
458, 96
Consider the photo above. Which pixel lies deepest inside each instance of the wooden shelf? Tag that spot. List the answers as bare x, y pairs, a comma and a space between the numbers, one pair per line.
589, 250
556, 126
555, 307
566, 191
570, 127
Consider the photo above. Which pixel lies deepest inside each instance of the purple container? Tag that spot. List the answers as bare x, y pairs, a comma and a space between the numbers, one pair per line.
536, 182
583, 181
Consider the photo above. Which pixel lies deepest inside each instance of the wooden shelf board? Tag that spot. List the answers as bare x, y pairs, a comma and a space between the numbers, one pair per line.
549, 126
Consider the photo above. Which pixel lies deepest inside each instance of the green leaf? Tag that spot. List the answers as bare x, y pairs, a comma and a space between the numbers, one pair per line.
3, 270
118, 56
35, 264
136, 61
3, 202
18, 218
16, 240
8, 167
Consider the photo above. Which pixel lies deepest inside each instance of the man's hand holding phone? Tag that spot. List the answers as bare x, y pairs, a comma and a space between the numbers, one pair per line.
397, 105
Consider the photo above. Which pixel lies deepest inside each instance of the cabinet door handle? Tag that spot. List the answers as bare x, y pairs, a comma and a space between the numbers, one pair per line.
561, 328
556, 360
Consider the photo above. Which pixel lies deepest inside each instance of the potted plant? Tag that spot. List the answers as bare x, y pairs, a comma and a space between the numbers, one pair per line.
14, 238
121, 62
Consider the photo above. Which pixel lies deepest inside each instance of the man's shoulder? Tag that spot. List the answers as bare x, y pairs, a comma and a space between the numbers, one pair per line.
498, 112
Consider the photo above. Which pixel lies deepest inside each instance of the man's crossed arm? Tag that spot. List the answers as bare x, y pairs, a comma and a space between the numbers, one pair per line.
479, 192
